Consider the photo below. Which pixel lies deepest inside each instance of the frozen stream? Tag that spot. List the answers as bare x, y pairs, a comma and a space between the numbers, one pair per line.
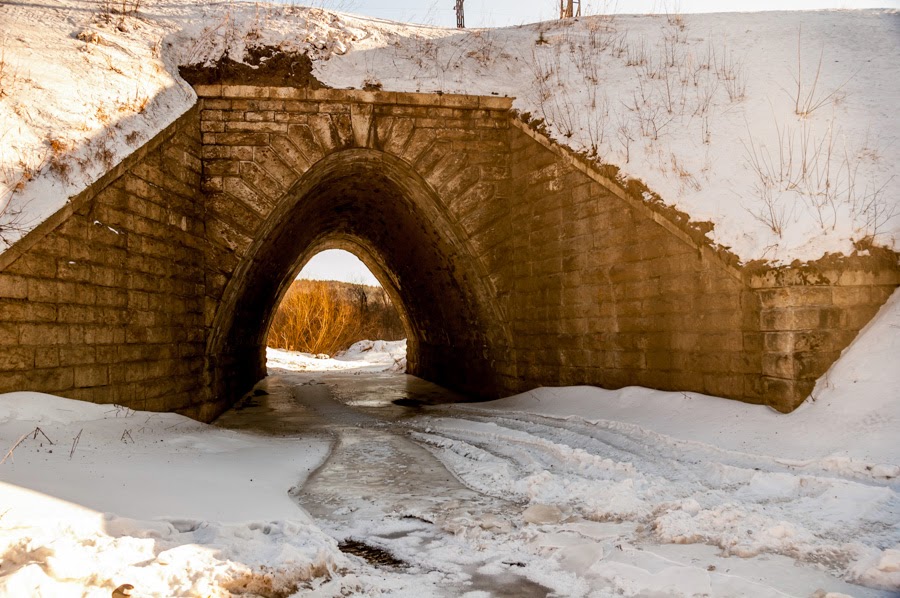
380, 488
384, 494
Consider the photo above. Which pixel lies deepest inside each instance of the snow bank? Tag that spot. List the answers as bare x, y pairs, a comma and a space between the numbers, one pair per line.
778, 128
363, 356
169, 505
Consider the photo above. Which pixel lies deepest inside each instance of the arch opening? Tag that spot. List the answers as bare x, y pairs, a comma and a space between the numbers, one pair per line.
379, 208
334, 302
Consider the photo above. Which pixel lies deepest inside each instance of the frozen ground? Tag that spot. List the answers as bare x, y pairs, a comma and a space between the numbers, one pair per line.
564, 492
779, 128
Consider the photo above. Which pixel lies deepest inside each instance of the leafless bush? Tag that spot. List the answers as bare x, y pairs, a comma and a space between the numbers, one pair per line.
542, 72
12, 221
673, 14
483, 46
730, 72
812, 167
13, 179
652, 116
597, 125
672, 53
560, 113
600, 35
117, 10
326, 317
619, 45
704, 93
588, 62
687, 179
807, 98
625, 135
636, 53
59, 164
101, 151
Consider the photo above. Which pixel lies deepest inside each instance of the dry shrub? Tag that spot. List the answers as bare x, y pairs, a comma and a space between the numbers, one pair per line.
327, 317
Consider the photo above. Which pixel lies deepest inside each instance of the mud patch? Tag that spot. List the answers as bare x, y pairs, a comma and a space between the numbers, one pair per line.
372, 554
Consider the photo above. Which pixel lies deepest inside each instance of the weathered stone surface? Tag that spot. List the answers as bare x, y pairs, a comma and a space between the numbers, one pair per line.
515, 263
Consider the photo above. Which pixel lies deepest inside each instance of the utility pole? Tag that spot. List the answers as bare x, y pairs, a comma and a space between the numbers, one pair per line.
567, 9
460, 18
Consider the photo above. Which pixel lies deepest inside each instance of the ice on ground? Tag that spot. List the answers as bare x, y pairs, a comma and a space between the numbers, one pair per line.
162, 502
362, 356
820, 485
779, 128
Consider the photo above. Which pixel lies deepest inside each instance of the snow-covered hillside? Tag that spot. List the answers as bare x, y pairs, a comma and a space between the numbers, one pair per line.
777, 127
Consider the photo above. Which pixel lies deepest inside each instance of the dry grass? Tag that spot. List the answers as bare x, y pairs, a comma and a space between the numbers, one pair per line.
807, 96
327, 317
4, 72
813, 169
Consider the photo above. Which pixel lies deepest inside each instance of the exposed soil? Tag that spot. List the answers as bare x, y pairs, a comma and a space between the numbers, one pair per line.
263, 65
372, 554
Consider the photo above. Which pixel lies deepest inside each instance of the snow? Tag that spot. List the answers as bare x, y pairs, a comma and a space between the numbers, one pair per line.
362, 356
702, 108
172, 506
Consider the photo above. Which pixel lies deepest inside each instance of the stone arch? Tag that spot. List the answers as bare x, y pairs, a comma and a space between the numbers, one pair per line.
378, 204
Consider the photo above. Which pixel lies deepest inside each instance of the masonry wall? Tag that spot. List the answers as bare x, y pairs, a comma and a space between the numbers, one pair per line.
518, 264
807, 315
603, 294
103, 302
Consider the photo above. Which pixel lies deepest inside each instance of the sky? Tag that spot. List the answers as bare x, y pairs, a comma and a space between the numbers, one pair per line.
502, 13
336, 264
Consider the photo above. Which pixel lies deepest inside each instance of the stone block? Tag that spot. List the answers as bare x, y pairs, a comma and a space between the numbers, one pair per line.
17, 358
76, 355
216, 104
94, 375
232, 126
237, 138
13, 287
302, 136
273, 165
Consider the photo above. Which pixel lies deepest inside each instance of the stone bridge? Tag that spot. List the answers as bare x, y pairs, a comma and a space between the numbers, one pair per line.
514, 262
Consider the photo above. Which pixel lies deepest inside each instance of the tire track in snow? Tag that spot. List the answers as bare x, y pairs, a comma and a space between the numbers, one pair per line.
683, 492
